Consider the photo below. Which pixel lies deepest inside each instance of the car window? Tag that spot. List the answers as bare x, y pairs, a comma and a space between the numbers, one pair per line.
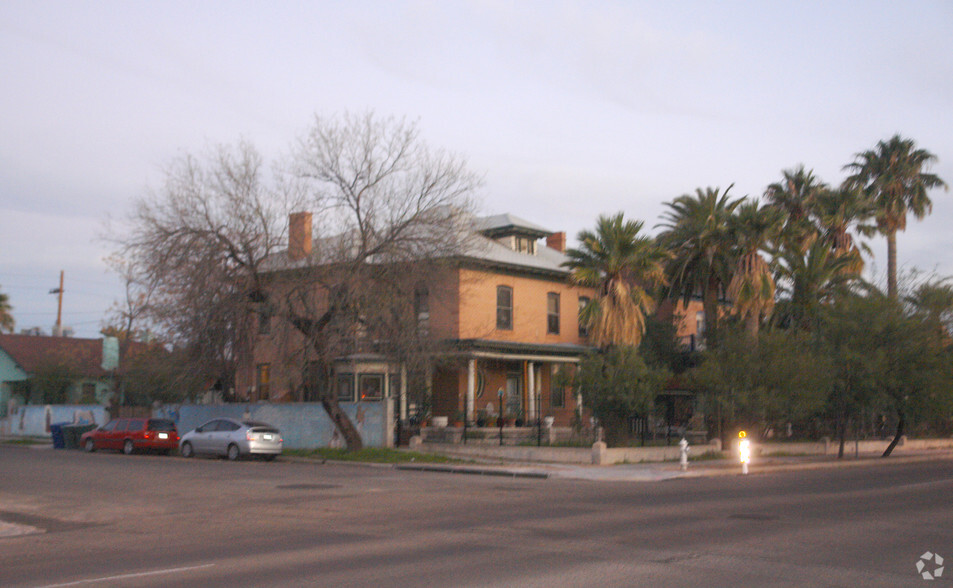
109, 426
136, 425
122, 424
161, 425
229, 426
265, 429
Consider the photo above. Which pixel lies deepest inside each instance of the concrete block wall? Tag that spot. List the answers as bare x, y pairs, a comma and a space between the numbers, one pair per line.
302, 425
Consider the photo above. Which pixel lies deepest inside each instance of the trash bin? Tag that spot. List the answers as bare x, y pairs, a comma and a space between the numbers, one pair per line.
56, 432
72, 434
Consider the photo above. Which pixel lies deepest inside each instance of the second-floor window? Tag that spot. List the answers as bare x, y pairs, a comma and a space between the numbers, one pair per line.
552, 313
583, 327
422, 309
504, 307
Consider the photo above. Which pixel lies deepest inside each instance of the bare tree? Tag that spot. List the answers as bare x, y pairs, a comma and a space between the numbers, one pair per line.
387, 208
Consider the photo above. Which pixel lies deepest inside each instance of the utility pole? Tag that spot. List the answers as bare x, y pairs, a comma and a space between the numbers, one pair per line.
58, 331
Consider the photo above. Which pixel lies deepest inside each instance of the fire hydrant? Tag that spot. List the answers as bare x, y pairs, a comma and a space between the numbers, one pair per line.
683, 453
744, 451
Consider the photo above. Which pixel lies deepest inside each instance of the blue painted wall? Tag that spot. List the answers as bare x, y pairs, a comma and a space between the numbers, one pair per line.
302, 425
35, 420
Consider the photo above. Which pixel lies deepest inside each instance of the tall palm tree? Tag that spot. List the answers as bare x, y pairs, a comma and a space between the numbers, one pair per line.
892, 175
623, 267
795, 195
836, 212
6, 316
751, 290
698, 235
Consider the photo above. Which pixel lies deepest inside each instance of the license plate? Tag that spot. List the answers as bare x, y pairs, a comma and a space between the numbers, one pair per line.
268, 437
163, 435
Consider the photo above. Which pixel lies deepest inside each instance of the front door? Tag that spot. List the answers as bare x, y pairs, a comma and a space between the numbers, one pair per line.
514, 396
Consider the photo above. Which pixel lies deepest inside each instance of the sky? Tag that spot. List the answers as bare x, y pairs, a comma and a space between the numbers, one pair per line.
568, 109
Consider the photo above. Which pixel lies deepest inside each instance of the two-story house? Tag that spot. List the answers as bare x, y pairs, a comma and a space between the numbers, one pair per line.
504, 318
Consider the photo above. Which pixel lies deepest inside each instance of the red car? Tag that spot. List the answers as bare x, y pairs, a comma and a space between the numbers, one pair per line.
129, 435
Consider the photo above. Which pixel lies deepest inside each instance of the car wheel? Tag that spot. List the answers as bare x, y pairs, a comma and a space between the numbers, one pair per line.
128, 447
233, 452
90, 446
186, 450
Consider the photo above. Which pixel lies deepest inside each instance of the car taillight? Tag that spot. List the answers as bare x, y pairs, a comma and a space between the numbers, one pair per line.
250, 436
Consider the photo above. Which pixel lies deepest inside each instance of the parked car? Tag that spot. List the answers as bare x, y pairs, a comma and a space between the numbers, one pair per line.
129, 435
232, 439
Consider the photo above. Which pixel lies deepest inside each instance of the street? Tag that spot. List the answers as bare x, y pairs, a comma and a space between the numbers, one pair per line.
144, 520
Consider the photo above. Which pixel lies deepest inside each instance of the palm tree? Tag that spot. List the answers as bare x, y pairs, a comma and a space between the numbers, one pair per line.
6, 316
892, 175
751, 289
795, 194
835, 212
623, 267
809, 280
699, 238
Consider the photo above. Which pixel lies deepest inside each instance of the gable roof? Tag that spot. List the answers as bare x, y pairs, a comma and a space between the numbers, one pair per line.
30, 352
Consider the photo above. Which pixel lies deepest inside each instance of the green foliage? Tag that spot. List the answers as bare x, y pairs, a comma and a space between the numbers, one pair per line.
6, 314
661, 347
51, 382
616, 385
777, 381
156, 374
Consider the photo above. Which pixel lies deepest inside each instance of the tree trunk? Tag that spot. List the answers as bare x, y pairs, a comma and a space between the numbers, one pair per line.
896, 438
710, 306
752, 326
343, 423
892, 264
312, 329
841, 433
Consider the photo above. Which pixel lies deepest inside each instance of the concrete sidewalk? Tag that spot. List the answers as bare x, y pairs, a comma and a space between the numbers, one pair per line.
656, 472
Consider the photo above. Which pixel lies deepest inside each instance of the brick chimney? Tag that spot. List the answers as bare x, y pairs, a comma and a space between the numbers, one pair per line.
557, 241
299, 235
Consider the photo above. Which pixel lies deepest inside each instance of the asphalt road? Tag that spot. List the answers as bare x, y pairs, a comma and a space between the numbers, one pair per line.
108, 519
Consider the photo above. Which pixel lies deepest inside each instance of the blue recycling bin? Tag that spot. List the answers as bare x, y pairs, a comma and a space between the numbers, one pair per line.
56, 432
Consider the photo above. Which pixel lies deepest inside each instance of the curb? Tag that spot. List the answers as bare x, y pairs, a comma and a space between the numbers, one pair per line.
813, 465
505, 473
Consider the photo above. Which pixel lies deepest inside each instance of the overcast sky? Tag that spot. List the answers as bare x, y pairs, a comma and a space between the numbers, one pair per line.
569, 109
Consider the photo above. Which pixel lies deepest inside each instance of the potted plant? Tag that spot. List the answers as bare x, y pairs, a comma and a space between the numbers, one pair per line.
482, 418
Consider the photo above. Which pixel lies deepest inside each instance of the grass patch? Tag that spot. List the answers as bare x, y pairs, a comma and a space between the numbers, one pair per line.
369, 455
27, 441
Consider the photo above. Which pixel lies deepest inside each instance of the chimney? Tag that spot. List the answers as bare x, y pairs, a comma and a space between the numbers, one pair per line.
557, 241
299, 235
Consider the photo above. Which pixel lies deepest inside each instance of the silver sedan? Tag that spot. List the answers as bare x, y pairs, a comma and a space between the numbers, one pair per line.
232, 439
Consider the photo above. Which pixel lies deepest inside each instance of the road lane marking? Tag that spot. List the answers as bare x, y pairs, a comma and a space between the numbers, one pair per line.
127, 576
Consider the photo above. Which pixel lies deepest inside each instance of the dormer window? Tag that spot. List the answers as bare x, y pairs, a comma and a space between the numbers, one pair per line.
526, 245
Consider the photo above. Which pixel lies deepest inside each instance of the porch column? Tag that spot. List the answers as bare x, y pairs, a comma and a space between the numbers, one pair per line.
403, 392
531, 392
471, 388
